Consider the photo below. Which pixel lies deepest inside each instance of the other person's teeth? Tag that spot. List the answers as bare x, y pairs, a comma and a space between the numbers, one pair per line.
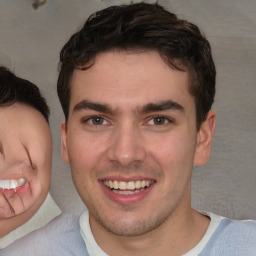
12, 184
130, 185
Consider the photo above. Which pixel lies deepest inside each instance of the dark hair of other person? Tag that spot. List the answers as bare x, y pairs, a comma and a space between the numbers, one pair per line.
140, 27
14, 89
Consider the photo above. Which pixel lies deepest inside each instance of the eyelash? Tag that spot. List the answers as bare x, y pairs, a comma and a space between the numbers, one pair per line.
90, 121
166, 120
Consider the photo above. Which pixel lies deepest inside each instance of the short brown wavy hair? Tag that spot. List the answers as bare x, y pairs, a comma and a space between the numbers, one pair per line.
147, 27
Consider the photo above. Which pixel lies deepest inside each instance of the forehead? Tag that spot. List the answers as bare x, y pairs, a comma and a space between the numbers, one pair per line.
131, 78
21, 118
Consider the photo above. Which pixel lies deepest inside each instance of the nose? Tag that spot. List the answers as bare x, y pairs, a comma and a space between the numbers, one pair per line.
126, 146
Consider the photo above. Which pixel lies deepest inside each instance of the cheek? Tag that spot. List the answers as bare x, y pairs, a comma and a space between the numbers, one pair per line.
46, 171
170, 149
175, 157
43, 157
43, 163
84, 152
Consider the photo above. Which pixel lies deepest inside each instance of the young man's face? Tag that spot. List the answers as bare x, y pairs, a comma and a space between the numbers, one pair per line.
25, 160
131, 141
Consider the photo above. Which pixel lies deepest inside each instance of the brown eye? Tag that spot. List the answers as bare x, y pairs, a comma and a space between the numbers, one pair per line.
158, 120
96, 120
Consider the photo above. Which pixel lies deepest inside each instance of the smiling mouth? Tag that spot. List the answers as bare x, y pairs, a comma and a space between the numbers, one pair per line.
12, 184
127, 188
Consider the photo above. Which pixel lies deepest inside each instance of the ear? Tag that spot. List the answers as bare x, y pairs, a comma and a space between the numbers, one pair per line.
64, 151
204, 139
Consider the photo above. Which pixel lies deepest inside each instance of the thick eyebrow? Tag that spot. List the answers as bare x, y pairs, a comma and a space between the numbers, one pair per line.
161, 106
150, 107
84, 104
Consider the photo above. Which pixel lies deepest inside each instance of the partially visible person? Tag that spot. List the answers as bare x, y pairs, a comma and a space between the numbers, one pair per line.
25, 159
136, 86
30, 221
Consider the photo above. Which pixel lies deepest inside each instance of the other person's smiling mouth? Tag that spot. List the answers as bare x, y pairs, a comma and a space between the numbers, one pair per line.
12, 184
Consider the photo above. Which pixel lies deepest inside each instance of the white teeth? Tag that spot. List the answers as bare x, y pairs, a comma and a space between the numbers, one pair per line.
116, 184
130, 185
12, 184
137, 184
124, 186
127, 192
21, 181
111, 185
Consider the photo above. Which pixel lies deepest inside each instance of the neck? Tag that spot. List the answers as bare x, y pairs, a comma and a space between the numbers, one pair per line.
179, 234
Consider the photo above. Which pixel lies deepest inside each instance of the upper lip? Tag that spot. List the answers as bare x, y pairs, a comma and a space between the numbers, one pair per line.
16, 176
12, 177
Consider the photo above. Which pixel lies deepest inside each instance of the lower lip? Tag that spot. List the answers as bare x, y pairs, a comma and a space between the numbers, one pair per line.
126, 199
19, 190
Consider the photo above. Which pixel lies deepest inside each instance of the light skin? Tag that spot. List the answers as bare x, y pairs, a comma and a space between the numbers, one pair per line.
135, 121
25, 142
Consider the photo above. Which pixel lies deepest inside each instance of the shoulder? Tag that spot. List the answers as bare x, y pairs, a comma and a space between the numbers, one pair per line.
59, 237
232, 238
238, 229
